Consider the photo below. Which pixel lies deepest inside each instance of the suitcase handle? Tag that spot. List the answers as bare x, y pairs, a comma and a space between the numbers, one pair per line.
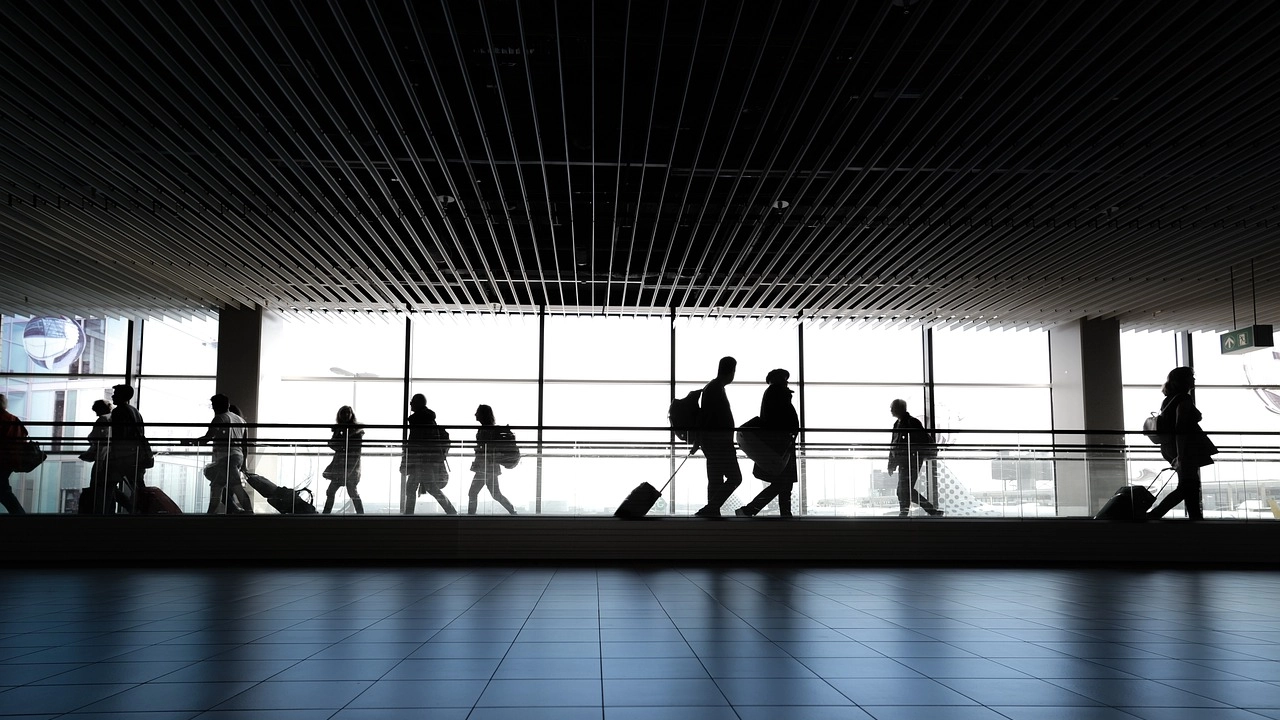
673, 475
1156, 493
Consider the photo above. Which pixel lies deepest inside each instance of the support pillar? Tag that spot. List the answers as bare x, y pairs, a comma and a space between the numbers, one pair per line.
248, 349
1088, 398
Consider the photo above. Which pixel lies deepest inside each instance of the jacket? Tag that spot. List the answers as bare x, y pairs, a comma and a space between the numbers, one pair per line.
13, 435
346, 443
1183, 440
909, 440
486, 459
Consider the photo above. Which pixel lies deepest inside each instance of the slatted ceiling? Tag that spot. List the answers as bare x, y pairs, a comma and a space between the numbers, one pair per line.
958, 164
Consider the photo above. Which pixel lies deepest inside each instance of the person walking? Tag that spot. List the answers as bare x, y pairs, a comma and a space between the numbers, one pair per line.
1183, 444
226, 437
779, 425
344, 470
715, 436
425, 464
907, 450
129, 453
98, 499
485, 466
13, 436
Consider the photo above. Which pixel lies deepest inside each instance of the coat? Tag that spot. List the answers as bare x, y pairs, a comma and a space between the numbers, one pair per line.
1182, 439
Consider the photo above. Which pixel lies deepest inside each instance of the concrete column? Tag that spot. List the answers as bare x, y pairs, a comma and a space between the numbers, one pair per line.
1088, 398
248, 354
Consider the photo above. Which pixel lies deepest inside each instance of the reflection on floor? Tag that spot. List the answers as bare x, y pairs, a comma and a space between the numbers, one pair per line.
634, 643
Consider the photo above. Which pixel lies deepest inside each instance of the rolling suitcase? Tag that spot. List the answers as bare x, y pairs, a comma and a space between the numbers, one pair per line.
1131, 502
154, 501
641, 500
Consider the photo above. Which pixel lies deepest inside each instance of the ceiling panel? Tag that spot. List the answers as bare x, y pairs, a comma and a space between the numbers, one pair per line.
903, 161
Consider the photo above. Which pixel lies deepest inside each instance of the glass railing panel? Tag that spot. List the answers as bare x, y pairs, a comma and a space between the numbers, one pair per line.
587, 472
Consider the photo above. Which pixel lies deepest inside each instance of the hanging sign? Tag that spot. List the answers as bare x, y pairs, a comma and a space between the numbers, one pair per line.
1246, 340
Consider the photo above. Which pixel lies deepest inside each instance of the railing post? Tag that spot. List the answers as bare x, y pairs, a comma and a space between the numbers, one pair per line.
542, 365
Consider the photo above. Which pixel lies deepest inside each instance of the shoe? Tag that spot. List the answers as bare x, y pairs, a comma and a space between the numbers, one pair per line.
936, 513
904, 513
742, 512
708, 512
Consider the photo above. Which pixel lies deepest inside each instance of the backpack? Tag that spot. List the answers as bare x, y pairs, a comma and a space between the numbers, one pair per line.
504, 448
1151, 428
438, 447
683, 415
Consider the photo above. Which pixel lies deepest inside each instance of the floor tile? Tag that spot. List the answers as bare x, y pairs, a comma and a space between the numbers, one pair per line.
537, 713
692, 712
664, 692
443, 669
1043, 712
1135, 693
749, 667
36, 699
420, 694
324, 670
553, 650
1239, 693
923, 712
548, 668
1016, 691
541, 693
789, 692
898, 691
872, 667
227, 671
170, 696
1152, 713
653, 668
273, 695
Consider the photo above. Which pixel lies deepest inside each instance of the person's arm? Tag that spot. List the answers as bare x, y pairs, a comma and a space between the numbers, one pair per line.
213, 432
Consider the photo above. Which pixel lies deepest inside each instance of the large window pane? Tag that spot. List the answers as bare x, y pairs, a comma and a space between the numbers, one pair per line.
839, 353
608, 348
474, 346
1145, 358
63, 345
1001, 357
180, 347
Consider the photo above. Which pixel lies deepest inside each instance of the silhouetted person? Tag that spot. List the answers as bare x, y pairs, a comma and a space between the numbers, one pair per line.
425, 456
1184, 445
99, 500
226, 438
13, 436
485, 466
344, 470
126, 464
715, 436
779, 425
906, 455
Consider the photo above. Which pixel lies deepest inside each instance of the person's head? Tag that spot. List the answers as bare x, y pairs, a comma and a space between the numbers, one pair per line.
898, 408
727, 369
777, 377
484, 415
101, 407
4, 401
346, 416
121, 394
418, 402
220, 403
1181, 379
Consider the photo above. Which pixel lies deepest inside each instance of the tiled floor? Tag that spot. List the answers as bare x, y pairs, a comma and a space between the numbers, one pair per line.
640, 644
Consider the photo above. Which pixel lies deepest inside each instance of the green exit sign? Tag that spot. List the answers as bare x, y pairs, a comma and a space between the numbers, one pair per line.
1245, 339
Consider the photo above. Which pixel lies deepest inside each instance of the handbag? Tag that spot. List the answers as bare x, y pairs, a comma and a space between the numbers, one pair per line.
29, 457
